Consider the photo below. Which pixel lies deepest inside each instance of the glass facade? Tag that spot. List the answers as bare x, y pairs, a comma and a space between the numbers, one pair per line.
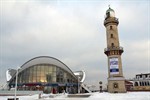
44, 76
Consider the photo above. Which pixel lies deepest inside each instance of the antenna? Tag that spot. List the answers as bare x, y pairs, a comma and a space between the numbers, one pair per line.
109, 6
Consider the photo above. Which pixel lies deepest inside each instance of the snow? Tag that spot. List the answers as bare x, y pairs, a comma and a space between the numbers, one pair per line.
33, 97
122, 96
94, 96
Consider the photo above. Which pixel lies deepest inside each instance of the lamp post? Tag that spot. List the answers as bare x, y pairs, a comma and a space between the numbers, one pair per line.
78, 85
100, 86
16, 83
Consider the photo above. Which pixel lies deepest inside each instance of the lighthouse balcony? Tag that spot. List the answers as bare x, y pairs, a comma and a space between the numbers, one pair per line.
113, 50
111, 20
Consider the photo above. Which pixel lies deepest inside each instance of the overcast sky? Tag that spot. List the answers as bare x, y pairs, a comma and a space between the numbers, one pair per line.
73, 32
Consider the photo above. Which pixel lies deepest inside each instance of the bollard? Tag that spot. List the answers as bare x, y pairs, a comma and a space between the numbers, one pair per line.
40, 96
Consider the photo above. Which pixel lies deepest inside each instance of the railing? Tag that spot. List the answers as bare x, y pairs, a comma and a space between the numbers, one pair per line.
11, 92
113, 48
112, 20
136, 79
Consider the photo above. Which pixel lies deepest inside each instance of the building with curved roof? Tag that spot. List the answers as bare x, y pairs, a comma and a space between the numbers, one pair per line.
45, 73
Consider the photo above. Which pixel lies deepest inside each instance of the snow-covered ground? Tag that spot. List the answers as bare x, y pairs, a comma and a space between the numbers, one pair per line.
122, 96
94, 96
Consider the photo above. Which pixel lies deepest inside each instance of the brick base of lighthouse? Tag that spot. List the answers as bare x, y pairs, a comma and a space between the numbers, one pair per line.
116, 85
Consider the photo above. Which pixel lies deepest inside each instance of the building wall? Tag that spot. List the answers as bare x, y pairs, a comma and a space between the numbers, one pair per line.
141, 88
44, 73
116, 86
142, 82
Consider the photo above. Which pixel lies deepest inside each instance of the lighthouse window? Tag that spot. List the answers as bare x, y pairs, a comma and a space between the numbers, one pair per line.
111, 35
111, 27
108, 14
112, 44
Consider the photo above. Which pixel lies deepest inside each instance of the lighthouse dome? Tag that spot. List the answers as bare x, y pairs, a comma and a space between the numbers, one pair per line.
110, 13
110, 10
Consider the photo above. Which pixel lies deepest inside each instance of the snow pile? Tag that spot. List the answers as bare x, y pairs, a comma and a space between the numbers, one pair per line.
94, 96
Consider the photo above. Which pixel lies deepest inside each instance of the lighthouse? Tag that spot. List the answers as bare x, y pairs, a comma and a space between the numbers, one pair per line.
116, 80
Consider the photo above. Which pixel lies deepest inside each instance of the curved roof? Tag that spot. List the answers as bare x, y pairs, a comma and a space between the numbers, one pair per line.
45, 60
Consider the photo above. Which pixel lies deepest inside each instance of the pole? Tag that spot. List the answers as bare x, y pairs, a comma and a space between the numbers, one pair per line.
16, 84
100, 86
78, 86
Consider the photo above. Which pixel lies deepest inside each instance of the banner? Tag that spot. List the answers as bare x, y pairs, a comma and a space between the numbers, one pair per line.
114, 68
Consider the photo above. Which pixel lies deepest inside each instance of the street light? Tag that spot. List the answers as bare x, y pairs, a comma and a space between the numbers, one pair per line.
100, 86
16, 83
78, 85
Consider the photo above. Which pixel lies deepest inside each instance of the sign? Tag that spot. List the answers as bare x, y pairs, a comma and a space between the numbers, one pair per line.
114, 69
61, 84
